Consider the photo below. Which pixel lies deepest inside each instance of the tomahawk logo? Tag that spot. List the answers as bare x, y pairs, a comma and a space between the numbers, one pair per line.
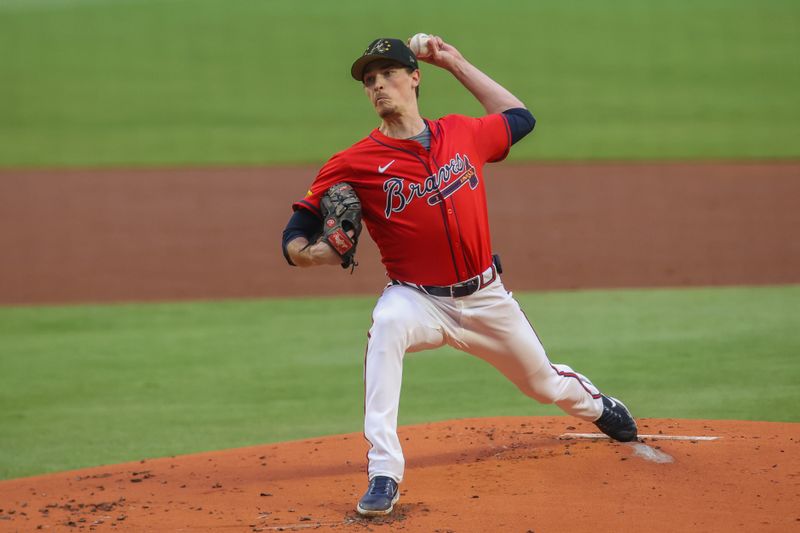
436, 187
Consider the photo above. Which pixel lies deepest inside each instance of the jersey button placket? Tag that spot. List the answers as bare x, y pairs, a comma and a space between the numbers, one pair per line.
456, 238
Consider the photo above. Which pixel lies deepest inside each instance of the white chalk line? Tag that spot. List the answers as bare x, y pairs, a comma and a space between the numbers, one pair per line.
567, 436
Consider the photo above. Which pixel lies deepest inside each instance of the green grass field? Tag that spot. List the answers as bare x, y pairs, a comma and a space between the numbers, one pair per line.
204, 82
89, 385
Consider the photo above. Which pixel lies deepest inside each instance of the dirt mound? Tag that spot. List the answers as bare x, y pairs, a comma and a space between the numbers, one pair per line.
505, 474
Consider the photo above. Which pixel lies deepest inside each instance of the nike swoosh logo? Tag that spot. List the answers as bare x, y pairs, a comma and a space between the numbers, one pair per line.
383, 168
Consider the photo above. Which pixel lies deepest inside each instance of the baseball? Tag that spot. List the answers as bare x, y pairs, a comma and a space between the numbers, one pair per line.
419, 44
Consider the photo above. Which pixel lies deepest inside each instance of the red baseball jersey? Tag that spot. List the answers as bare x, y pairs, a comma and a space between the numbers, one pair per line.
426, 210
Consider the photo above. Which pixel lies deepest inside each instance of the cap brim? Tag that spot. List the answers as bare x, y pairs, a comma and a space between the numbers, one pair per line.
357, 70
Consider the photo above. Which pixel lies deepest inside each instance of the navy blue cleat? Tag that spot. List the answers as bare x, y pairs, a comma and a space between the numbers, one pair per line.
616, 421
380, 497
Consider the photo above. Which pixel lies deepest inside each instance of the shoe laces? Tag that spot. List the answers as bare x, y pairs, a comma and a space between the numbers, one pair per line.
612, 418
613, 415
381, 485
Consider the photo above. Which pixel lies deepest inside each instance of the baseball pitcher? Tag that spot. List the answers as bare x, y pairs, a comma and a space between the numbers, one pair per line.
419, 186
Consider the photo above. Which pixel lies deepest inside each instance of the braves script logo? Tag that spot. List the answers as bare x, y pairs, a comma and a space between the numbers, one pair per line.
443, 184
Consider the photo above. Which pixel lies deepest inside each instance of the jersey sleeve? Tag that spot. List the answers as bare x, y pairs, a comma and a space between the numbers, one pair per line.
331, 173
492, 136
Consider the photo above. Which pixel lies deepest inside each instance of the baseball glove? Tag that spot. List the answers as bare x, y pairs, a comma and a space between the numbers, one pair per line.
341, 212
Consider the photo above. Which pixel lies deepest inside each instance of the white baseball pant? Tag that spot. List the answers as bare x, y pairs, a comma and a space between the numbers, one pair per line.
488, 324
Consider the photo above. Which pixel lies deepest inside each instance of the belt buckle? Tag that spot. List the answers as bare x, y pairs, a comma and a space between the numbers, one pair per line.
470, 286
488, 276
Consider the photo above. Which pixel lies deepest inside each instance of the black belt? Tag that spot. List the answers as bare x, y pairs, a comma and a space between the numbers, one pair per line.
458, 290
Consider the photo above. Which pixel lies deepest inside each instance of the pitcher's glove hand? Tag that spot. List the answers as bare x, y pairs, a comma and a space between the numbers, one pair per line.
341, 221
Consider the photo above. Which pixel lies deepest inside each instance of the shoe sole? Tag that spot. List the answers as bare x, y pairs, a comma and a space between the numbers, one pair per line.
379, 512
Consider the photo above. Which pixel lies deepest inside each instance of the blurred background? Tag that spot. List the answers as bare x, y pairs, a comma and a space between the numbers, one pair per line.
245, 82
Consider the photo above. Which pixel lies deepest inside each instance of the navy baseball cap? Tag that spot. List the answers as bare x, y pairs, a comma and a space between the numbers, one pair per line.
383, 48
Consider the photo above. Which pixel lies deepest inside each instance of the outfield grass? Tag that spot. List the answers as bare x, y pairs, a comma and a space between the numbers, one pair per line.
91, 385
204, 82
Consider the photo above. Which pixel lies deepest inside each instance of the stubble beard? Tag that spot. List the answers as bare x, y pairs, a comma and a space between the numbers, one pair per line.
386, 111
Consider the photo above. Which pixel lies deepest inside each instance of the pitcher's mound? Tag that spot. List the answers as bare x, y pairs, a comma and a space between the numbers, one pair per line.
473, 475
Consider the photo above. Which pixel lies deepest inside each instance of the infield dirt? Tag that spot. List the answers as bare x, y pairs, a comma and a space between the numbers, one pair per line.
484, 475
